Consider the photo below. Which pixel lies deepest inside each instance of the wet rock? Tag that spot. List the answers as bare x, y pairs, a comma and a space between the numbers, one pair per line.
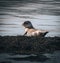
28, 45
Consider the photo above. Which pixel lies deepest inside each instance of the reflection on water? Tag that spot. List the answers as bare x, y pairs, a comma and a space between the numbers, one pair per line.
44, 14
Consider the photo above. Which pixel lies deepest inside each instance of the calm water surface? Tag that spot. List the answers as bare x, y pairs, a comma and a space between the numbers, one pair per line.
17, 58
44, 14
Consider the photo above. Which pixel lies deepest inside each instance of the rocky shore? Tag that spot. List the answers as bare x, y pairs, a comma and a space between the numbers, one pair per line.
29, 45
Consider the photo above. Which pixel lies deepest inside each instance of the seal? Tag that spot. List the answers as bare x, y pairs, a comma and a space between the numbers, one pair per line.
31, 31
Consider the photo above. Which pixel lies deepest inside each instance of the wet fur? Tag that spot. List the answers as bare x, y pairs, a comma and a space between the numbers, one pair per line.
31, 31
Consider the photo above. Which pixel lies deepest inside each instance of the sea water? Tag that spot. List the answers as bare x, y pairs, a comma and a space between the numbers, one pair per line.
44, 14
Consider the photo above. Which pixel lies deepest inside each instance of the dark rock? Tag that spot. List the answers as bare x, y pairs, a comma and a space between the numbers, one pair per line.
28, 45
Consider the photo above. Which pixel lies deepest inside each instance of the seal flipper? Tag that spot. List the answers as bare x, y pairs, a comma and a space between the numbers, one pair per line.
25, 33
44, 33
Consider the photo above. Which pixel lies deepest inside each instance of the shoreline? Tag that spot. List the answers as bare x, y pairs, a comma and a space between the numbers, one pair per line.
29, 45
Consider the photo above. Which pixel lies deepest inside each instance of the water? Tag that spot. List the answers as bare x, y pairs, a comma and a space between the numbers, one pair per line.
44, 14
17, 58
